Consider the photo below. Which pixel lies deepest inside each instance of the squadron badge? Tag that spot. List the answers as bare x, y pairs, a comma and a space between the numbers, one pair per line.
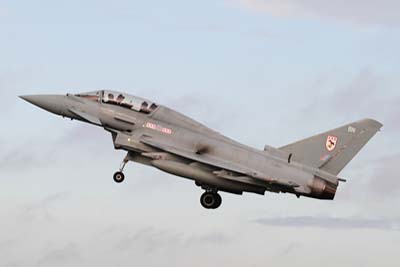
331, 142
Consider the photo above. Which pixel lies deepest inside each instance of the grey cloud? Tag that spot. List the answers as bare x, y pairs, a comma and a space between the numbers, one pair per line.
289, 249
15, 157
64, 256
94, 141
146, 240
361, 12
384, 182
394, 119
41, 209
208, 239
151, 239
332, 223
6, 244
43, 153
359, 92
360, 97
49, 200
368, 93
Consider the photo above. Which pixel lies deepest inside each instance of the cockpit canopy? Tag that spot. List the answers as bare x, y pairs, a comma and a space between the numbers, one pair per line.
95, 96
121, 99
128, 101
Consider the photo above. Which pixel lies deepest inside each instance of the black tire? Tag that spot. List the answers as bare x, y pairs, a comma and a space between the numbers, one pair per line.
218, 202
119, 177
210, 200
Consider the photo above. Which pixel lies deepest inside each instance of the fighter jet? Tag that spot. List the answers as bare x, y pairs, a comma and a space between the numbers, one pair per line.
160, 137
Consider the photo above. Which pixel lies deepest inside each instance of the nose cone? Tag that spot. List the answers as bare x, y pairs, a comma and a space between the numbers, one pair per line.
52, 103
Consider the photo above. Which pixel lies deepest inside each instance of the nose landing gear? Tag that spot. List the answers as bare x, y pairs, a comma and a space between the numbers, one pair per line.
119, 176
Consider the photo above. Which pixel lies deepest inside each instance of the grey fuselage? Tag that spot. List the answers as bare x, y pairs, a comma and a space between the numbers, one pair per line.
174, 143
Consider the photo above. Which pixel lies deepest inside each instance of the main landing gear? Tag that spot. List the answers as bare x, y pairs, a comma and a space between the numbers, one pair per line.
210, 200
119, 176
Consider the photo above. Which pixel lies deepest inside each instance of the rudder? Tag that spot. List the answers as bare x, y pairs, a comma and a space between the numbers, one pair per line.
333, 150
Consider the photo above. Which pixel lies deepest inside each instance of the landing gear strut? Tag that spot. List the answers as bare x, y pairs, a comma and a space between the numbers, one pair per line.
211, 200
119, 176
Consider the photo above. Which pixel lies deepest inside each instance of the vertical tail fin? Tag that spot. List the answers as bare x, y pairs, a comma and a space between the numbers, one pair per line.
333, 150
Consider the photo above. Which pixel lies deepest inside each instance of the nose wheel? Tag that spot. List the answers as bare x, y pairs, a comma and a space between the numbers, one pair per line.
211, 200
119, 176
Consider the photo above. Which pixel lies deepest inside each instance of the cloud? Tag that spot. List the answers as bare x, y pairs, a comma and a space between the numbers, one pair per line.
9, 244
331, 223
384, 182
359, 97
68, 255
383, 12
151, 239
146, 240
208, 239
41, 209
287, 250
364, 85
43, 153
16, 157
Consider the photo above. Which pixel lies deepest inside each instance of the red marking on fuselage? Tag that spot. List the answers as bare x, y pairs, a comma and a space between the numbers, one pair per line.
158, 128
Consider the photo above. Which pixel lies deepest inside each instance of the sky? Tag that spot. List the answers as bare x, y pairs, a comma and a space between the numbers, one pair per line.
259, 71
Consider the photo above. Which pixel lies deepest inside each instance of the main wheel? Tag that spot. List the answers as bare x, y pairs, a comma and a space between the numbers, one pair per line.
219, 201
210, 200
119, 177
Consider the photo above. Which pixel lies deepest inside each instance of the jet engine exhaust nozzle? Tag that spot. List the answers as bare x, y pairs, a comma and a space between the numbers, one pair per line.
322, 189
